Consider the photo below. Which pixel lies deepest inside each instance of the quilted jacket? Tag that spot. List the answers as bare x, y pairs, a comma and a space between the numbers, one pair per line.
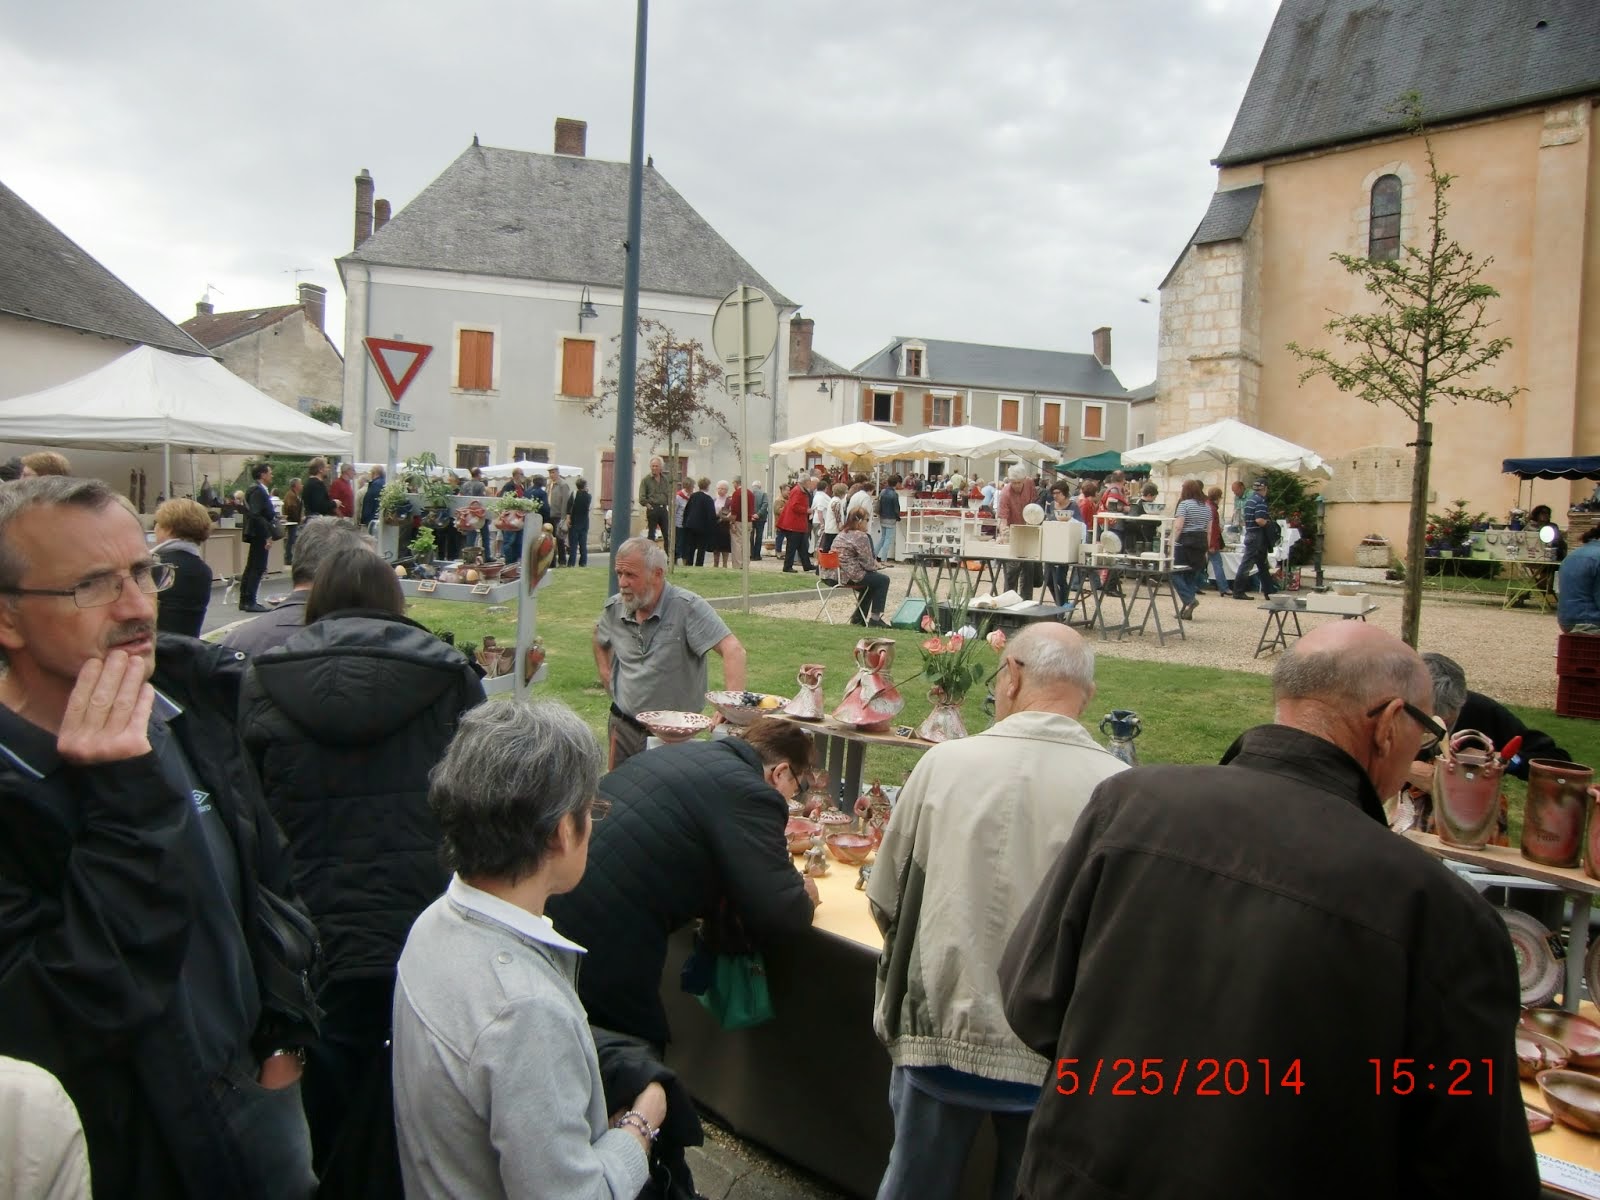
689, 826
343, 723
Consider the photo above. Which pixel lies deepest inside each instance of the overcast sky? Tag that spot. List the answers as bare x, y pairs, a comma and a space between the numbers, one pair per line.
1008, 172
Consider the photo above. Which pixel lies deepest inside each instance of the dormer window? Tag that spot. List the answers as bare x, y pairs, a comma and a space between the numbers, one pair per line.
913, 361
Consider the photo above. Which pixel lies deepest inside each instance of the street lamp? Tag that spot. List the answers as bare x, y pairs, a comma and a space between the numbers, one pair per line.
585, 308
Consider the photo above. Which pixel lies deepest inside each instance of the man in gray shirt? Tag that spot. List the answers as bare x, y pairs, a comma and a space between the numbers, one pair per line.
319, 540
560, 495
650, 646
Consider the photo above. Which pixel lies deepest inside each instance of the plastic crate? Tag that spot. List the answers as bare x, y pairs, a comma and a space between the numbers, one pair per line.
1578, 654
1578, 696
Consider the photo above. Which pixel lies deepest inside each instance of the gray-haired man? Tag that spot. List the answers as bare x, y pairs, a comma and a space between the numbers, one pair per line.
320, 539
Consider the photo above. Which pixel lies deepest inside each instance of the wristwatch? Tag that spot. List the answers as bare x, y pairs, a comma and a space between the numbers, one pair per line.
298, 1053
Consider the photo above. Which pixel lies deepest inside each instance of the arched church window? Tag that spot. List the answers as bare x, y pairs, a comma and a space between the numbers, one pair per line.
1383, 235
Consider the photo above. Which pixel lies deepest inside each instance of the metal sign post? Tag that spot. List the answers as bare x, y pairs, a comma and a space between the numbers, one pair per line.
744, 331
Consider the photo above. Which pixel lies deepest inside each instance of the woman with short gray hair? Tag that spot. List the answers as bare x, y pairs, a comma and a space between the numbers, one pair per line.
497, 1088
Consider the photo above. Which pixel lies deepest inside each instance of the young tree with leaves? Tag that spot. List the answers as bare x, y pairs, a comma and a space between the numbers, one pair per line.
671, 393
1423, 343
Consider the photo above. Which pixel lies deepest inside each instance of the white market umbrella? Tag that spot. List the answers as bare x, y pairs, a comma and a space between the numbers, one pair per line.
1228, 442
858, 439
150, 399
503, 470
974, 441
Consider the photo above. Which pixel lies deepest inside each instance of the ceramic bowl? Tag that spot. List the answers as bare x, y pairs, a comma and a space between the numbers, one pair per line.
491, 570
1573, 1097
834, 820
1345, 587
1536, 1052
672, 726
852, 849
741, 708
1578, 1034
798, 832
1538, 1120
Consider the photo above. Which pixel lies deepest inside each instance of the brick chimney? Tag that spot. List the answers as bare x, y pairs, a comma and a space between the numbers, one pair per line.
800, 329
363, 207
204, 308
1102, 345
314, 299
380, 215
571, 136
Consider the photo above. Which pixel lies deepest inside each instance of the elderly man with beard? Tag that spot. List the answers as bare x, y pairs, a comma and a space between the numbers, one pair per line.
138, 868
650, 645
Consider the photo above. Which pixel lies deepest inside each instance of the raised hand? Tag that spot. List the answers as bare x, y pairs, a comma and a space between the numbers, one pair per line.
108, 713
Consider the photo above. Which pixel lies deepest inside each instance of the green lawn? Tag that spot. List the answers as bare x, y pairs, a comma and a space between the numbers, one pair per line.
1190, 714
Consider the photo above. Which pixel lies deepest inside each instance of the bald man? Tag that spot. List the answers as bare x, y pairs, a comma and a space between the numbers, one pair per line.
974, 831
1251, 987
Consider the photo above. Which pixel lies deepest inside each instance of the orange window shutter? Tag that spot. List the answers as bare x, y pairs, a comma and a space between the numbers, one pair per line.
899, 407
927, 410
476, 372
1092, 421
956, 410
577, 367
1052, 424
866, 404
1008, 416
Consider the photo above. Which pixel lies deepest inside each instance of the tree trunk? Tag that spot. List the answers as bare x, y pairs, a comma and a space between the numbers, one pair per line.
1411, 611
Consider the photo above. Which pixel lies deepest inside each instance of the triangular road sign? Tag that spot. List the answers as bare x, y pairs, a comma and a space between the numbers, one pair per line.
387, 355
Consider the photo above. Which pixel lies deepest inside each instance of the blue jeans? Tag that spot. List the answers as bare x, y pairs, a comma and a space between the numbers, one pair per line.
932, 1140
1218, 575
511, 546
885, 547
1186, 583
1254, 560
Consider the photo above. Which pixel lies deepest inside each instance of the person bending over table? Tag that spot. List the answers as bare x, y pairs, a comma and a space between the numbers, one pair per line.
858, 567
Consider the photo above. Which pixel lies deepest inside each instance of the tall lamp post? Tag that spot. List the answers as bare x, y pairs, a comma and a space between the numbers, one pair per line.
622, 469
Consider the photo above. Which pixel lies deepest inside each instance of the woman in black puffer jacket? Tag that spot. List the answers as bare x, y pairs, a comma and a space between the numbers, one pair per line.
343, 724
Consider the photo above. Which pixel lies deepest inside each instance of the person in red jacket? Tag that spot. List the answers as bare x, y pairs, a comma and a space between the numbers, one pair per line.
795, 520
343, 490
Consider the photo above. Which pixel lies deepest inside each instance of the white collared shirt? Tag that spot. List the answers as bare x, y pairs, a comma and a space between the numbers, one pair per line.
534, 926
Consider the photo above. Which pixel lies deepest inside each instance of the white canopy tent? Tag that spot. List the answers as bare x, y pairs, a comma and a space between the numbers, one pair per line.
1228, 442
973, 441
859, 439
530, 469
153, 399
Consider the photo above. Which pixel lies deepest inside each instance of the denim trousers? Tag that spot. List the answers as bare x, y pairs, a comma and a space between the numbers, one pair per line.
932, 1140
885, 547
1218, 575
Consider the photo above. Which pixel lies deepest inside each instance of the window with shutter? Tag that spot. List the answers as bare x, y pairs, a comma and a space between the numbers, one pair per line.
927, 410
577, 367
475, 372
898, 413
1050, 423
866, 406
943, 408
958, 411
1094, 422
882, 407
1010, 415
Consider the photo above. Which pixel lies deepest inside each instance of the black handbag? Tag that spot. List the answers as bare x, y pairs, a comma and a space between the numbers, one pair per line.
290, 960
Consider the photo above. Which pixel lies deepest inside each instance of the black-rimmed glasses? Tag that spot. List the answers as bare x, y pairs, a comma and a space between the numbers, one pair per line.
1432, 726
149, 578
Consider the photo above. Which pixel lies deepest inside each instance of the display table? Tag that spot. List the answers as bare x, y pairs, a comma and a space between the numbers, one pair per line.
1136, 586
1275, 634
1012, 620
1531, 580
841, 750
812, 1084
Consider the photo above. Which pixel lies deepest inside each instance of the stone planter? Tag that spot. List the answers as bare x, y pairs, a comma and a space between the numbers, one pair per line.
1372, 554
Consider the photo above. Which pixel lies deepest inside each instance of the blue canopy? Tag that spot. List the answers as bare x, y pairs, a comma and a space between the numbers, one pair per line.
1583, 467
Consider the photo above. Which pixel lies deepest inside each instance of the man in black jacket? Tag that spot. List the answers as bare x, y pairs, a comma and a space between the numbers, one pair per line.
260, 518
690, 826
133, 847
1251, 987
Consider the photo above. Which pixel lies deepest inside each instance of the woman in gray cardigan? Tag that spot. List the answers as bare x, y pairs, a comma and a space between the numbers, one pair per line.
497, 1088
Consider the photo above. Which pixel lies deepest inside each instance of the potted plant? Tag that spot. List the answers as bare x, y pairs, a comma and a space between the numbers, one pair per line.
511, 512
394, 504
950, 663
423, 546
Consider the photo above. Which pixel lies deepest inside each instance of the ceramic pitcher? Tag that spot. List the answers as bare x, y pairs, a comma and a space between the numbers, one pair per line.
1466, 791
1552, 821
807, 703
1122, 726
871, 699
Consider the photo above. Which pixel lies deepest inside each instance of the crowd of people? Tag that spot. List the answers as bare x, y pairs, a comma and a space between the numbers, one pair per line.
299, 911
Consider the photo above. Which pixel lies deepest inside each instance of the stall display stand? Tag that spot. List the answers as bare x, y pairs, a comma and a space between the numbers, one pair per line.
518, 679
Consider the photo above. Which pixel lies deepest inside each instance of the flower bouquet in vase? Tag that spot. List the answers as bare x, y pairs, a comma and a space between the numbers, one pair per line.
950, 663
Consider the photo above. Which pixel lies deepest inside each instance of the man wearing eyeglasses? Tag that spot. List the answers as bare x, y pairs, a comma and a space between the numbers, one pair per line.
972, 834
133, 847
1250, 986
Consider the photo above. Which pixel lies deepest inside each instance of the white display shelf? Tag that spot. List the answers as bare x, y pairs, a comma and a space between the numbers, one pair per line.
515, 592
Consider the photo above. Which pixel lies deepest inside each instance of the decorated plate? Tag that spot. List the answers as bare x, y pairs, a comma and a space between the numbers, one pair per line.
1538, 968
674, 726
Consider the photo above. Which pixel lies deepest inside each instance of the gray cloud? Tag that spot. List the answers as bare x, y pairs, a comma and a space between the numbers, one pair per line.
1010, 172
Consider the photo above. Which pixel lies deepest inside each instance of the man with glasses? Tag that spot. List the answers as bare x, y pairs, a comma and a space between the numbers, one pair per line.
133, 850
1249, 986
973, 833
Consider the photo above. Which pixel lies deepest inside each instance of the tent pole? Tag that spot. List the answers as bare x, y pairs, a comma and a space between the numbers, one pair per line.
166, 470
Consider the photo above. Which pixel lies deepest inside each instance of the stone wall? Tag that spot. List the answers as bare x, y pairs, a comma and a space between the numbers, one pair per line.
288, 360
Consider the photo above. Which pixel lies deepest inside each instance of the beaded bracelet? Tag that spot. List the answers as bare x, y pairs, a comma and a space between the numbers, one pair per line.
637, 1122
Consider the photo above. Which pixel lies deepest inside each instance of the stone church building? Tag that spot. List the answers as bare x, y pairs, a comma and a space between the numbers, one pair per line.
1318, 161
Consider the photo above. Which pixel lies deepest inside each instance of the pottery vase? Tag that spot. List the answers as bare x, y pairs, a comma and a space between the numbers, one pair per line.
871, 700
510, 521
943, 723
807, 704
1466, 791
1552, 820
872, 811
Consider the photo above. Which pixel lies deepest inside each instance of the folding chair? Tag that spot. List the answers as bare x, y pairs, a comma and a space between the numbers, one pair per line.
827, 588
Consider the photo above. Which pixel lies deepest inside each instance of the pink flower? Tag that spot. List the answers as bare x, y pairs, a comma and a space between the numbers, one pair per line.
933, 646
956, 642
927, 623
997, 639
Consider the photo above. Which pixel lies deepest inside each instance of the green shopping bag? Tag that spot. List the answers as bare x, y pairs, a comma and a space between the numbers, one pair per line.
738, 995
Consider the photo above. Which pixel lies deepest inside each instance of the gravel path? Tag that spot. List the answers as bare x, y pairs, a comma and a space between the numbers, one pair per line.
1508, 655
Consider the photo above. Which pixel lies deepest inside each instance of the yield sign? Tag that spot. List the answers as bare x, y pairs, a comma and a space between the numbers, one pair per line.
387, 355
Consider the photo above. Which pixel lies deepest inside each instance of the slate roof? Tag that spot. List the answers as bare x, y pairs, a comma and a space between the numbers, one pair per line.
1143, 395
821, 364
1331, 69
218, 329
46, 276
1227, 217
561, 218
968, 364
